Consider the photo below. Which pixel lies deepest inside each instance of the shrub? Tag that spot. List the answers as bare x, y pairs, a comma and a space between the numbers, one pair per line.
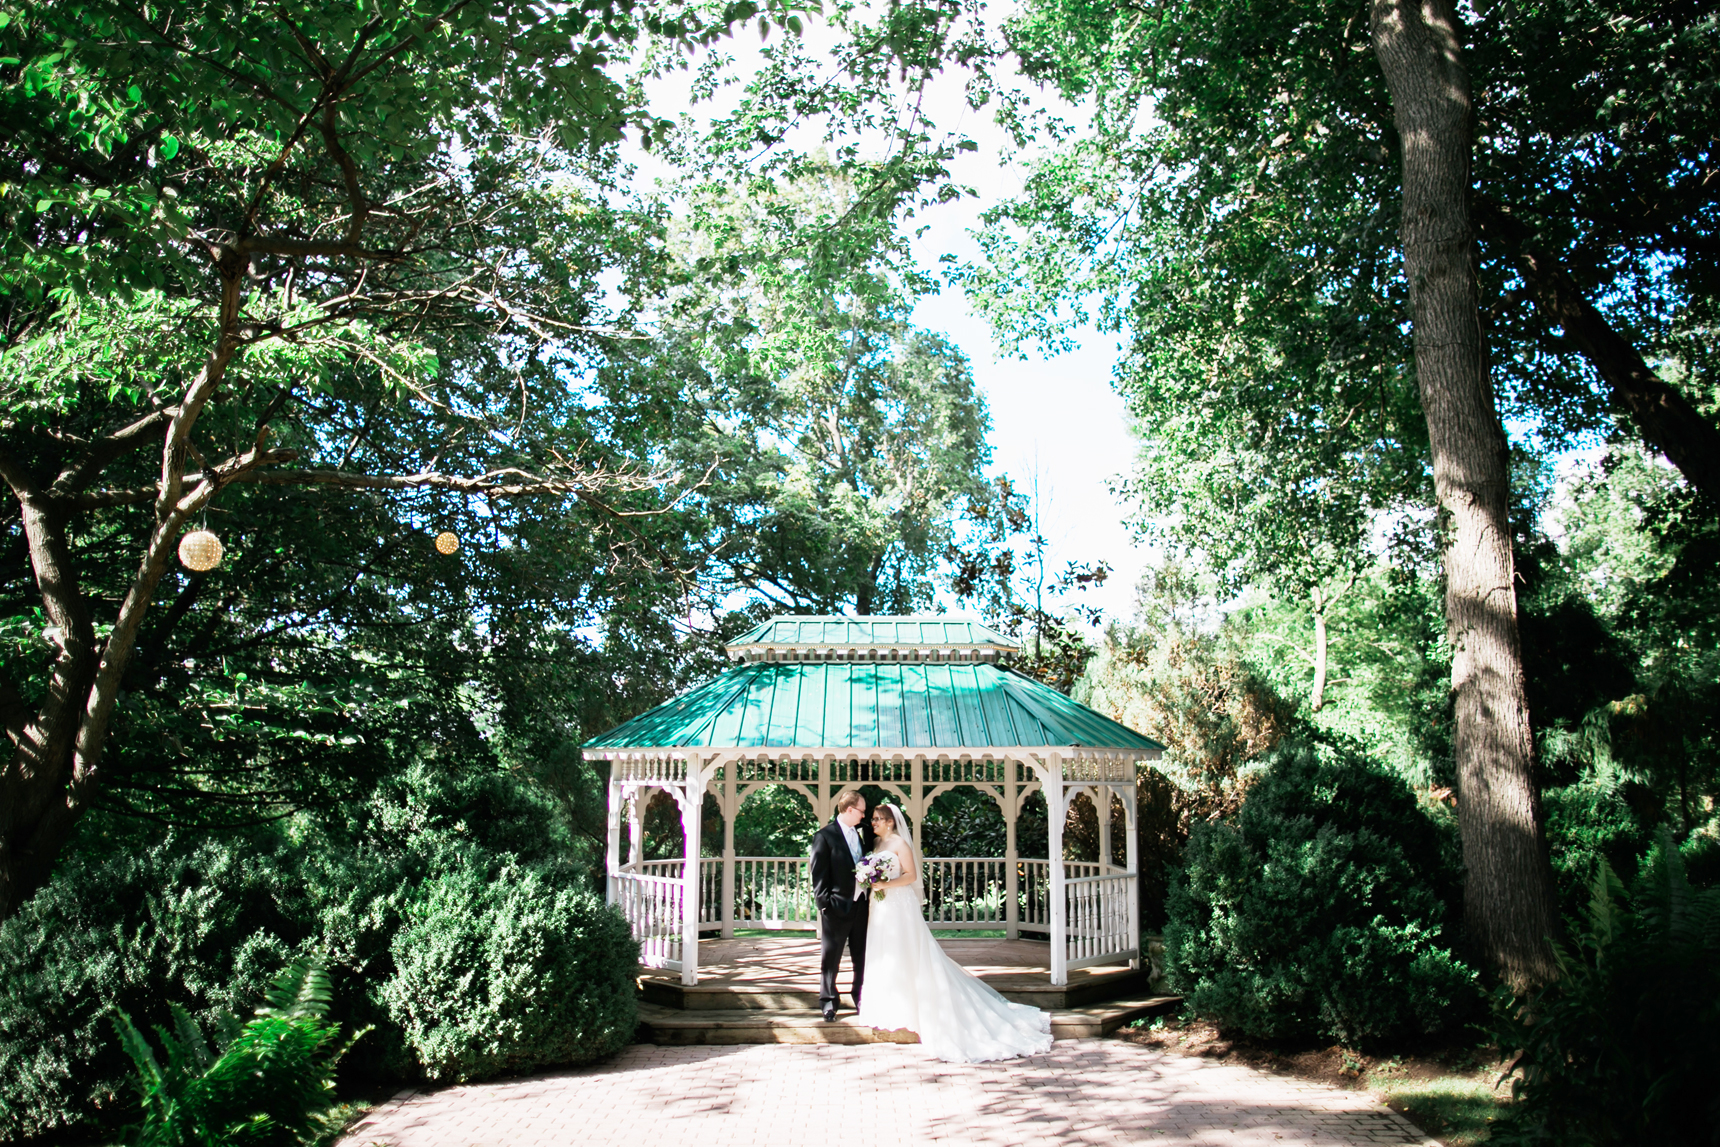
136, 916
1621, 1050
1322, 911
511, 972
267, 1082
130, 926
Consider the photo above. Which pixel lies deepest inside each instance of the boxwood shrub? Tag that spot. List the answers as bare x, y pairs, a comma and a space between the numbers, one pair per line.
1325, 911
507, 973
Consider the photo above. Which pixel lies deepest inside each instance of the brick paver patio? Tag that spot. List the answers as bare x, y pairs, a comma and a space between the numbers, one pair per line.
879, 1095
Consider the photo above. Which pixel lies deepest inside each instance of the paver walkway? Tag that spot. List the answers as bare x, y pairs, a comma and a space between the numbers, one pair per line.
881, 1095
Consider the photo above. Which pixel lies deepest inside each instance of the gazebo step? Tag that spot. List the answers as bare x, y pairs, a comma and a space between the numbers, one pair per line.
719, 996
780, 974
723, 997
673, 1027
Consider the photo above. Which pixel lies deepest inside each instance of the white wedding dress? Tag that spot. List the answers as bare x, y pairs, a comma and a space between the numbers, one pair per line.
912, 984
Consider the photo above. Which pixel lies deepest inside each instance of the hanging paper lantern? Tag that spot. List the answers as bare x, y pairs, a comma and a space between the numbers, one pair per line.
200, 551
447, 542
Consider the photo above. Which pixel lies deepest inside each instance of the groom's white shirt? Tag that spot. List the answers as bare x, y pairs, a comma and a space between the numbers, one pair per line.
852, 836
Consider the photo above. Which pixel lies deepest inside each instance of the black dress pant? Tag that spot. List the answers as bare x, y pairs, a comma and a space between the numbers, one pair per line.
838, 931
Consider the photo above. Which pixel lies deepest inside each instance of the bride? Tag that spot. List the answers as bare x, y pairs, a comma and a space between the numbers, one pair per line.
911, 983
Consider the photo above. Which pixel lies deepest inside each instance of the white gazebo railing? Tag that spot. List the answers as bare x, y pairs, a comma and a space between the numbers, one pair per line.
1100, 920
773, 892
1087, 909
652, 906
963, 893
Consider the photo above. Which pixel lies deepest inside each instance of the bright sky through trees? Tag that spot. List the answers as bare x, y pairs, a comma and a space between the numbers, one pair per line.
1056, 421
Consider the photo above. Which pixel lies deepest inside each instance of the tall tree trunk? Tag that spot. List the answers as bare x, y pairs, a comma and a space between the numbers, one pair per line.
1317, 695
1508, 896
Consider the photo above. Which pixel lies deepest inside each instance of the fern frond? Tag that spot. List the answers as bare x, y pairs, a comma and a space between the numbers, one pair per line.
189, 1036
149, 1075
1603, 922
302, 990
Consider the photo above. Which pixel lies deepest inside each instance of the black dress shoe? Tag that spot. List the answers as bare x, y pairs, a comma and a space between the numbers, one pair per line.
829, 1013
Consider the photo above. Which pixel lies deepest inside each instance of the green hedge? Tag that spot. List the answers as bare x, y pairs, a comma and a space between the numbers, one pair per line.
136, 917
508, 973
1325, 911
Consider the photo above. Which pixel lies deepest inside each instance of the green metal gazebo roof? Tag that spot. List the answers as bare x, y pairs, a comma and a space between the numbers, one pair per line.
871, 705
795, 637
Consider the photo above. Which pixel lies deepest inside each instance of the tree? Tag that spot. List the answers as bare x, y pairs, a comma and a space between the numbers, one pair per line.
253, 239
1510, 907
848, 433
1238, 205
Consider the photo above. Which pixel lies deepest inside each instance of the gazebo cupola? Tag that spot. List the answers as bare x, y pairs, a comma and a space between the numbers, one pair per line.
913, 705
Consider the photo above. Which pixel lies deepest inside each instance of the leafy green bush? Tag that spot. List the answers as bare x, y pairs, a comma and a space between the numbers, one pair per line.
268, 1082
1323, 911
130, 926
136, 916
511, 972
1621, 1050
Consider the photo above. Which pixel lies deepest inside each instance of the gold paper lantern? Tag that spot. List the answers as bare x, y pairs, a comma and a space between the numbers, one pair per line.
200, 550
447, 542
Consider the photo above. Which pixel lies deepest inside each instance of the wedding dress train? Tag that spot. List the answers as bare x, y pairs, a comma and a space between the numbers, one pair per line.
911, 983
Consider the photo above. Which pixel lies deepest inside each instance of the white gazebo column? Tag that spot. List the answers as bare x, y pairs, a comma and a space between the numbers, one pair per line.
1051, 780
1101, 796
612, 834
636, 825
1132, 857
1011, 853
731, 809
692, 817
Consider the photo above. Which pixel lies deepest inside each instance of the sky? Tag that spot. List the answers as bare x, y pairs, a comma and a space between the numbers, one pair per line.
1056, 422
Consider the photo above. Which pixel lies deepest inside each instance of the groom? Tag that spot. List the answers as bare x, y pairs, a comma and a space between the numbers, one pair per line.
836, 849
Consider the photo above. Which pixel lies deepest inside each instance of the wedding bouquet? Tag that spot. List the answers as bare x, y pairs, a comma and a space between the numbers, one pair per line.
875, 869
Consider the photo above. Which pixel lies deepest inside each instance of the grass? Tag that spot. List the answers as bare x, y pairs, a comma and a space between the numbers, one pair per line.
1458, 1109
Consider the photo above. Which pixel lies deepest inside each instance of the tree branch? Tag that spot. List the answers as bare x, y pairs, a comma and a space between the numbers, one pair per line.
98, 454
1665, 418
505, 483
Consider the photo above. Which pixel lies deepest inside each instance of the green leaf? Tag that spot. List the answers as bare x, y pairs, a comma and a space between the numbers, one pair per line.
169, 146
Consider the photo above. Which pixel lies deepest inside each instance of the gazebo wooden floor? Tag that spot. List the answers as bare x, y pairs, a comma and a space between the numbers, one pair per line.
765, 990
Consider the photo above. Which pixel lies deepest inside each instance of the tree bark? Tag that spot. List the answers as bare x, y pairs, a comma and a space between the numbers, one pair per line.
1317, 695
1508, 894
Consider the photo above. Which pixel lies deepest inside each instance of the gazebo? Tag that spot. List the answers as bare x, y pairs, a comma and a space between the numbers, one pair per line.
913, 705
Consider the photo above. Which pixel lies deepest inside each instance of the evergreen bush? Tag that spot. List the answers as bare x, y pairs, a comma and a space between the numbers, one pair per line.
1622, 1048
506, 973
136, 916
1323, 911
131, 926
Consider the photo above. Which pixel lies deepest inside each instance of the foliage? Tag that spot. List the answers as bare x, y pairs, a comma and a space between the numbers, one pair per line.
130, 925
266, 1081
1234, 209
383, 278
510, 970
138, 915
1186, 679
1324, 910
965, 822
773, 821
1617, 1050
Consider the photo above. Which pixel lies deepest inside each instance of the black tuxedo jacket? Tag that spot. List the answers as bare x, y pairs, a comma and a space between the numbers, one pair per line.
833, 867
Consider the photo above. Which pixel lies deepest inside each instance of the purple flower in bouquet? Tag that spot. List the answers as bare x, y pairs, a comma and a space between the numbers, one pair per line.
875, 869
